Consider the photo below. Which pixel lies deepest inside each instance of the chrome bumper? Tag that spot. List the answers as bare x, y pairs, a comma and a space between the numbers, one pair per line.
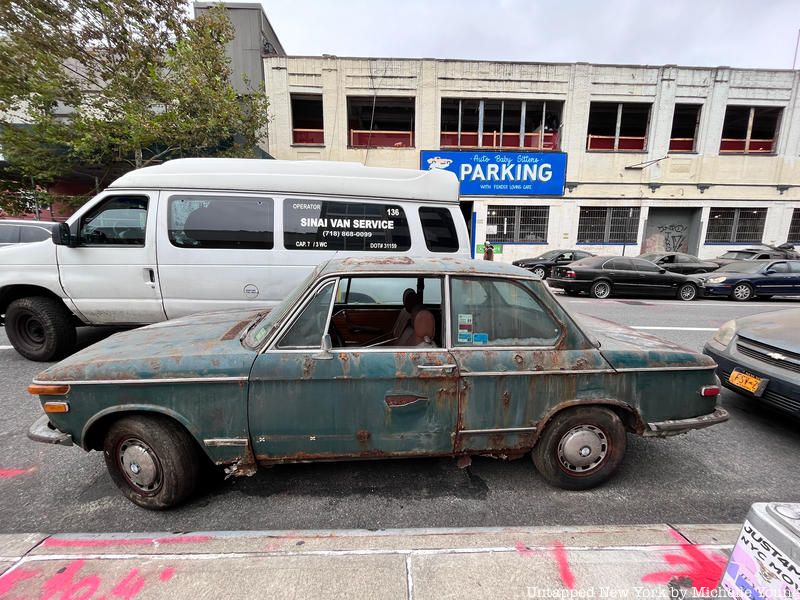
43, 431
665, 428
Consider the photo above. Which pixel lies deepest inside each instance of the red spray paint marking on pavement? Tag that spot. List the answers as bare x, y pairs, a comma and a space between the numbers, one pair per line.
9, 580
703, 569
564, 570
167, 574
89, 543
523, 550
6, 473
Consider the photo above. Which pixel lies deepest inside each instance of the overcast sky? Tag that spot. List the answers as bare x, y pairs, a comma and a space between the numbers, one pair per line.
737, 33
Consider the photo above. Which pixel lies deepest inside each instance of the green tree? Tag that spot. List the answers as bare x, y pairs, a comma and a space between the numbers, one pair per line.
102, 86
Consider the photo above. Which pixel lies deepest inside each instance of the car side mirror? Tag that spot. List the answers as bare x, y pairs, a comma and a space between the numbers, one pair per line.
770, 271
662, 270
325, 349
63, 237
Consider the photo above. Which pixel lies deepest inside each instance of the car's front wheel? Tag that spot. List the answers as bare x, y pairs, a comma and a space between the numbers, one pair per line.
742, 292
687, 292
539, 272
40, 328
152, 460
580, 448
600, 289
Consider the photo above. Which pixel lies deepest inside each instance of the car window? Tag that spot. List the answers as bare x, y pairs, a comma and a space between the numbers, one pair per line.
9, 234
439, 229
779, 267
28, 235
579, 255
684, 258
309, 326
763, 256
644, 265
386, 290
618, 264
567, 256
667, 259
794, 266
116, 221
231, 222
497, 312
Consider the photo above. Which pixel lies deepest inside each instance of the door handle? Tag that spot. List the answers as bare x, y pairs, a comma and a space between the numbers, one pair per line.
436, 367
149, 277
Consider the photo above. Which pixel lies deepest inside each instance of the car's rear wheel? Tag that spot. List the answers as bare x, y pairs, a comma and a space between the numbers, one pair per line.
152, 460
40, 328
742, 292
580, 448
539, 272
687, 292
600, 289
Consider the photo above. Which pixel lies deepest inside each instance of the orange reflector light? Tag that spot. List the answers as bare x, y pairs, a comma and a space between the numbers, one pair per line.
55, 407
709, 390
38, 389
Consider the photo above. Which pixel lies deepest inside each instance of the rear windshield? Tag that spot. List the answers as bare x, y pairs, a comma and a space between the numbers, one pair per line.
590, 261
738, 255
742, 267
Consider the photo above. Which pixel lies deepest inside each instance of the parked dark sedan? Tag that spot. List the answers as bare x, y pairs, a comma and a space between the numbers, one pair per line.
747, 279
542, 265
678, 262
759, 357
762, 252
602, 276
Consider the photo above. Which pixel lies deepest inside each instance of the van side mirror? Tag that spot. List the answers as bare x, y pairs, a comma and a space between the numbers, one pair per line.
325, 350
63, 237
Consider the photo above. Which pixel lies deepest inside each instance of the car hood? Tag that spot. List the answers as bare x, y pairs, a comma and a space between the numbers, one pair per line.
778, 328
203, 345
626, 348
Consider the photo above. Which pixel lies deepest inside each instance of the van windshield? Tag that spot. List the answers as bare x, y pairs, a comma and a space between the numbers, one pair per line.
259, 332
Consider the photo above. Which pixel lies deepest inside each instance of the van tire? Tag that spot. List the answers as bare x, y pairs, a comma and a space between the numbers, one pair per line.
40, 328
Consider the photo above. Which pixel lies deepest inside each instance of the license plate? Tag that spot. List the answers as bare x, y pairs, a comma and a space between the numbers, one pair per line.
747, 382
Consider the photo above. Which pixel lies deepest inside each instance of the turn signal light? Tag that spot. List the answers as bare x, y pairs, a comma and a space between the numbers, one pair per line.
39, 389
709, 390
55, 407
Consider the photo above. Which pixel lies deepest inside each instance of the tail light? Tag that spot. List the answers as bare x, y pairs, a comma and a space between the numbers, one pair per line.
569, 274
709, 390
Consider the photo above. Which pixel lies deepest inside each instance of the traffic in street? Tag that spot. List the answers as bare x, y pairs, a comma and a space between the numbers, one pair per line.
705, 476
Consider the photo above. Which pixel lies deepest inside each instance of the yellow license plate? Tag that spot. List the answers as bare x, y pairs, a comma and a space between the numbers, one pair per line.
746, 382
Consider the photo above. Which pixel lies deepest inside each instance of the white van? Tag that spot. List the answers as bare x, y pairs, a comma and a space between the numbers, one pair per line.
203, 234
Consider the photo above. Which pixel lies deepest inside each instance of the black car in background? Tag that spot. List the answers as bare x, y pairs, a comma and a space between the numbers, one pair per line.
678, 262
747, 279
603, 276
761, 252
542, 265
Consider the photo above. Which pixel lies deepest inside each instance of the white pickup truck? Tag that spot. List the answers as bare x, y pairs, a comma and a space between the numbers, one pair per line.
203, 234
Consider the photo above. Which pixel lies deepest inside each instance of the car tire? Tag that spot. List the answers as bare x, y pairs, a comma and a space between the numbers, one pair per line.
600, 289
152, 460
687, 292
742, 292
561, 455
539, 272
40, 328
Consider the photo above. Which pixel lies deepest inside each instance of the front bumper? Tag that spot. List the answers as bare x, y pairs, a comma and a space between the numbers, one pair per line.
720, 290
43, 431
667, 428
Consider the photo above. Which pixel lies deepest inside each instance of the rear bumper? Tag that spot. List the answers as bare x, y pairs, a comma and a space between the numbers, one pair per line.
43, 431
666, 428
570, 285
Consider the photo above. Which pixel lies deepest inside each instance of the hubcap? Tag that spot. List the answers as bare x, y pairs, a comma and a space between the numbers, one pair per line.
742, 292
687, 292
582, 449
539, 272
31, 330
140, 465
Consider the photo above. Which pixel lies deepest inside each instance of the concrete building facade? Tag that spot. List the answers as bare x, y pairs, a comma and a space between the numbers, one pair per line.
699, 160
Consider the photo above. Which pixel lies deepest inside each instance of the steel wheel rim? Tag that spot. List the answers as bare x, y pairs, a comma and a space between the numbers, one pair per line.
140, 466
539, 272
741, 292
602, 290
688, 292
30, 329
583, 449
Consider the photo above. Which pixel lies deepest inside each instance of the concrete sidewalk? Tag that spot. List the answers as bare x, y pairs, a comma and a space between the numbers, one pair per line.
654, 561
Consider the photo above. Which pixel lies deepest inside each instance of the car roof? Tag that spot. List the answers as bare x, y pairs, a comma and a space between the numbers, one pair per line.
416, 265
295, 177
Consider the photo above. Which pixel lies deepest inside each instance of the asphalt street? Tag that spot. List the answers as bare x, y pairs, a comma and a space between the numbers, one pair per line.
707, 476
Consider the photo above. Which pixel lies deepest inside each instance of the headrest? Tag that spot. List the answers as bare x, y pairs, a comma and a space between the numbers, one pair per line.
410, 299
424, 325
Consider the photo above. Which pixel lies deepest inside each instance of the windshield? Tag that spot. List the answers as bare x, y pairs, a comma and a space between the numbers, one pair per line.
548, 255
259, 332
741, 267
738, 255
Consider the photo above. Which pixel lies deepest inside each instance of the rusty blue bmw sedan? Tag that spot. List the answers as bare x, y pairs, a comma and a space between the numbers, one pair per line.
374, 359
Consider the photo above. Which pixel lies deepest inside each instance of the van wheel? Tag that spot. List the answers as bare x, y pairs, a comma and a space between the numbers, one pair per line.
600, 289
580, 448
688, 292
152, 460
40, 328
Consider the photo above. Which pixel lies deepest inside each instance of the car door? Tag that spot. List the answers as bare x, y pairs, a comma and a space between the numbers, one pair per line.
111, 275
794, 267
351, 401
622, 275
652, 282
775, 278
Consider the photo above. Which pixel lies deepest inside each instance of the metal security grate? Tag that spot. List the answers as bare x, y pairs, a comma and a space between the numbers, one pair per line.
603, 225
517, 224
736, 225
794, 227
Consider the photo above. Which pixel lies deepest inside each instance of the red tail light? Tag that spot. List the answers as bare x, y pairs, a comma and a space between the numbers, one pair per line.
709, 390
569, 274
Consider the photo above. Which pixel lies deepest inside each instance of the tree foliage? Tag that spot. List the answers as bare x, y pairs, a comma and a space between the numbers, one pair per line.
99, 86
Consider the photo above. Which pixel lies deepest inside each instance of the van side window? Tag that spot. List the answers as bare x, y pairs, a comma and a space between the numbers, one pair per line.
232, 222
439, 229
116, 221
355, 226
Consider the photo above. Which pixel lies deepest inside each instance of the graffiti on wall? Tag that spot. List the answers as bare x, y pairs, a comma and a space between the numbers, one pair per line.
674, 236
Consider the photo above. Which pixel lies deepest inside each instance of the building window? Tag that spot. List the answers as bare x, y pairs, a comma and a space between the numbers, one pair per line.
307, 128
735, 225
794, 227
685, 120
749, 130
607, 225
506, 124
380, 122
618, 127
524, 224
